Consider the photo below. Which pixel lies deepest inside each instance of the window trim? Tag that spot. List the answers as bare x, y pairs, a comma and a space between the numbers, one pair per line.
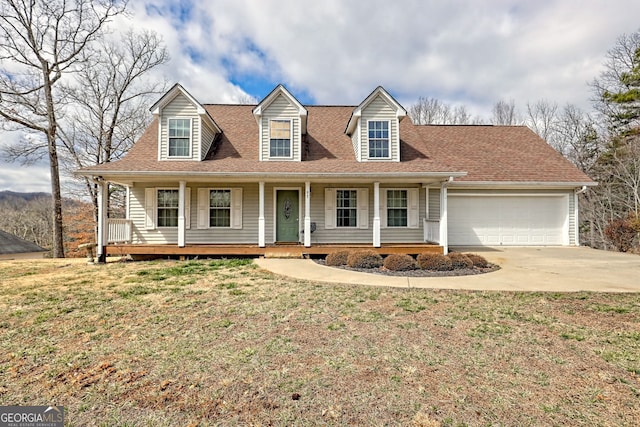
190, 146
157, 208
209, 190
331, 208
290, 121
203, 201
413, 208
389, 156
356, 209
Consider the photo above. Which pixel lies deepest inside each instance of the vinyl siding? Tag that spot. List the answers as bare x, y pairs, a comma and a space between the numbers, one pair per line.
208, 136
378, 109
180, 107
281, 109
434, 204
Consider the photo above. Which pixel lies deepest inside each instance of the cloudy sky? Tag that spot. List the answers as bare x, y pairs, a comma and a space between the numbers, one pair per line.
470, 53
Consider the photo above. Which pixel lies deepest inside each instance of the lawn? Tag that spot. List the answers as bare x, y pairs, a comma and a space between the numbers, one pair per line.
221, 342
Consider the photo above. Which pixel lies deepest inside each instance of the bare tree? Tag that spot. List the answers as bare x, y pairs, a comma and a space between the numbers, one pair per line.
431, 111
40, 42
542, 118
110, 101
504, 113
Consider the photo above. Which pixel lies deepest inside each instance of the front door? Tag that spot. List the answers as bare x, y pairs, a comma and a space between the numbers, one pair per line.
287, 218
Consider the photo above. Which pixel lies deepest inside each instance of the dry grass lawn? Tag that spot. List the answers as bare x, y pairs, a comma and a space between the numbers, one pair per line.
221, 342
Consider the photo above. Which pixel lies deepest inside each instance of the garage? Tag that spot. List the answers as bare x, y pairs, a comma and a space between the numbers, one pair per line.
508, 220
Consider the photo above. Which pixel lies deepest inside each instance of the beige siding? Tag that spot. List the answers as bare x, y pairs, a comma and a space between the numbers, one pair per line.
180, 107
356, 141
378, 109
208, 134
281, 109
572, 220
434, 204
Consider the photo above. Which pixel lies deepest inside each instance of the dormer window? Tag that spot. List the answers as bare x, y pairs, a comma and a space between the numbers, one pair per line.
378, 132
280, 138
179, 137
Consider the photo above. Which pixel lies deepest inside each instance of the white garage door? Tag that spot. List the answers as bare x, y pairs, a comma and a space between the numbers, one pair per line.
508, 220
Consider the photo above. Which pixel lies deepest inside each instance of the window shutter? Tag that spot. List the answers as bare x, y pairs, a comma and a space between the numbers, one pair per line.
413, 207
329, 208
236, 208
363, 208
187, 207
203, 208
150, 210
383, 207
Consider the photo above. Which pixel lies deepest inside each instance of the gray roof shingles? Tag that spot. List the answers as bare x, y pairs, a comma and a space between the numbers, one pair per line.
11, 244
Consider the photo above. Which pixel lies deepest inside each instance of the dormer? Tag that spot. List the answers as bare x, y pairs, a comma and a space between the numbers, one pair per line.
374, 127
185, 129
282, 123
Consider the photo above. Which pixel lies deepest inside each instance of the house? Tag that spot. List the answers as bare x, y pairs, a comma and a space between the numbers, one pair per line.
207, 178
13, 247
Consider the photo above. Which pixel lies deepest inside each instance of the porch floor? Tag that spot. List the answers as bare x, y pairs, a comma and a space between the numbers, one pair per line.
270, 251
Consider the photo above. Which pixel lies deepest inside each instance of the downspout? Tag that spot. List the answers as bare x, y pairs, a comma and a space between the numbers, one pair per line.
576, 230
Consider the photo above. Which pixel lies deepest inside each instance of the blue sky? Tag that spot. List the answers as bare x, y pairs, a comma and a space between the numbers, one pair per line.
336, 52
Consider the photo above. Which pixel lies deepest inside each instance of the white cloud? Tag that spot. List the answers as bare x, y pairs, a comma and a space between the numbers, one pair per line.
336, 52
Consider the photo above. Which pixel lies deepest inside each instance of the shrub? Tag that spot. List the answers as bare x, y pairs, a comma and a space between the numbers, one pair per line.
399, 262
337, 258
459, 261
621, 233
435, 262
364, 259
478, 261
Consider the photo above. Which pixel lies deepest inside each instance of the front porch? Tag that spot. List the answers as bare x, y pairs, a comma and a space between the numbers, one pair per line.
270, 251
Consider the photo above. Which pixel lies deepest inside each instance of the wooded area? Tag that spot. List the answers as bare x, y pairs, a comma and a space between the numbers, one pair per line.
604, 144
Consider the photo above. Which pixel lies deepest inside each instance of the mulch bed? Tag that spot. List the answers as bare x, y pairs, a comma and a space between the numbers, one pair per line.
418, 272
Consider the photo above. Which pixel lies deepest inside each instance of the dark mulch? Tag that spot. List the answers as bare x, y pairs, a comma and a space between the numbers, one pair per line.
419, 272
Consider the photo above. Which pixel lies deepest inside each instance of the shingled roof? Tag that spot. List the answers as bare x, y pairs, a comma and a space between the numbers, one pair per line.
11, 244
471, 153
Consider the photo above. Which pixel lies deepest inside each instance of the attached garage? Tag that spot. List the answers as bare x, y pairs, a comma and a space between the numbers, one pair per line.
517, 220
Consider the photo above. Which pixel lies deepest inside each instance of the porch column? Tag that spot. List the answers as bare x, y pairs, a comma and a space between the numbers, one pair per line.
261, 226
103, 228
181, 221
444, 239
307, 214
376, 214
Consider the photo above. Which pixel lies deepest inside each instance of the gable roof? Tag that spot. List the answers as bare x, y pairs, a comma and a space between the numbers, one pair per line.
472, 154
11, 244
176, 90
377, 92
281, 90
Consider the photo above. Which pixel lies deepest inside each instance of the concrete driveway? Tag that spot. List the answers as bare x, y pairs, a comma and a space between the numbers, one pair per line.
549, 269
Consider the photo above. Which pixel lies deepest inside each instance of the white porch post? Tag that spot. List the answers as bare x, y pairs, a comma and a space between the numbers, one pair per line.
307, 214
376, 214
181, 220
102, 237
261, 225
444, 239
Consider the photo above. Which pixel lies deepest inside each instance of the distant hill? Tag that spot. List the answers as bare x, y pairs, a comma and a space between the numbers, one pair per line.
12, 195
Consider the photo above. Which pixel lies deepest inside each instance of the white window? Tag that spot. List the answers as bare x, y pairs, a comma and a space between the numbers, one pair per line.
399, 207
179, 137
280, 138
167, 208
161, 207
346, 208
220, 208
378, 133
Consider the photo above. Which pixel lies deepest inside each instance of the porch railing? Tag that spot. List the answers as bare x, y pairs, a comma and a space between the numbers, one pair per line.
431, 230
119, 230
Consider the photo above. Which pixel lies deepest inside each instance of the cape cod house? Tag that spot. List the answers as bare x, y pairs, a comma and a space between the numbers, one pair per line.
230, 179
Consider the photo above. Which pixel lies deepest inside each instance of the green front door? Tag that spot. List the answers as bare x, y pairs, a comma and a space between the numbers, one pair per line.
287, 218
